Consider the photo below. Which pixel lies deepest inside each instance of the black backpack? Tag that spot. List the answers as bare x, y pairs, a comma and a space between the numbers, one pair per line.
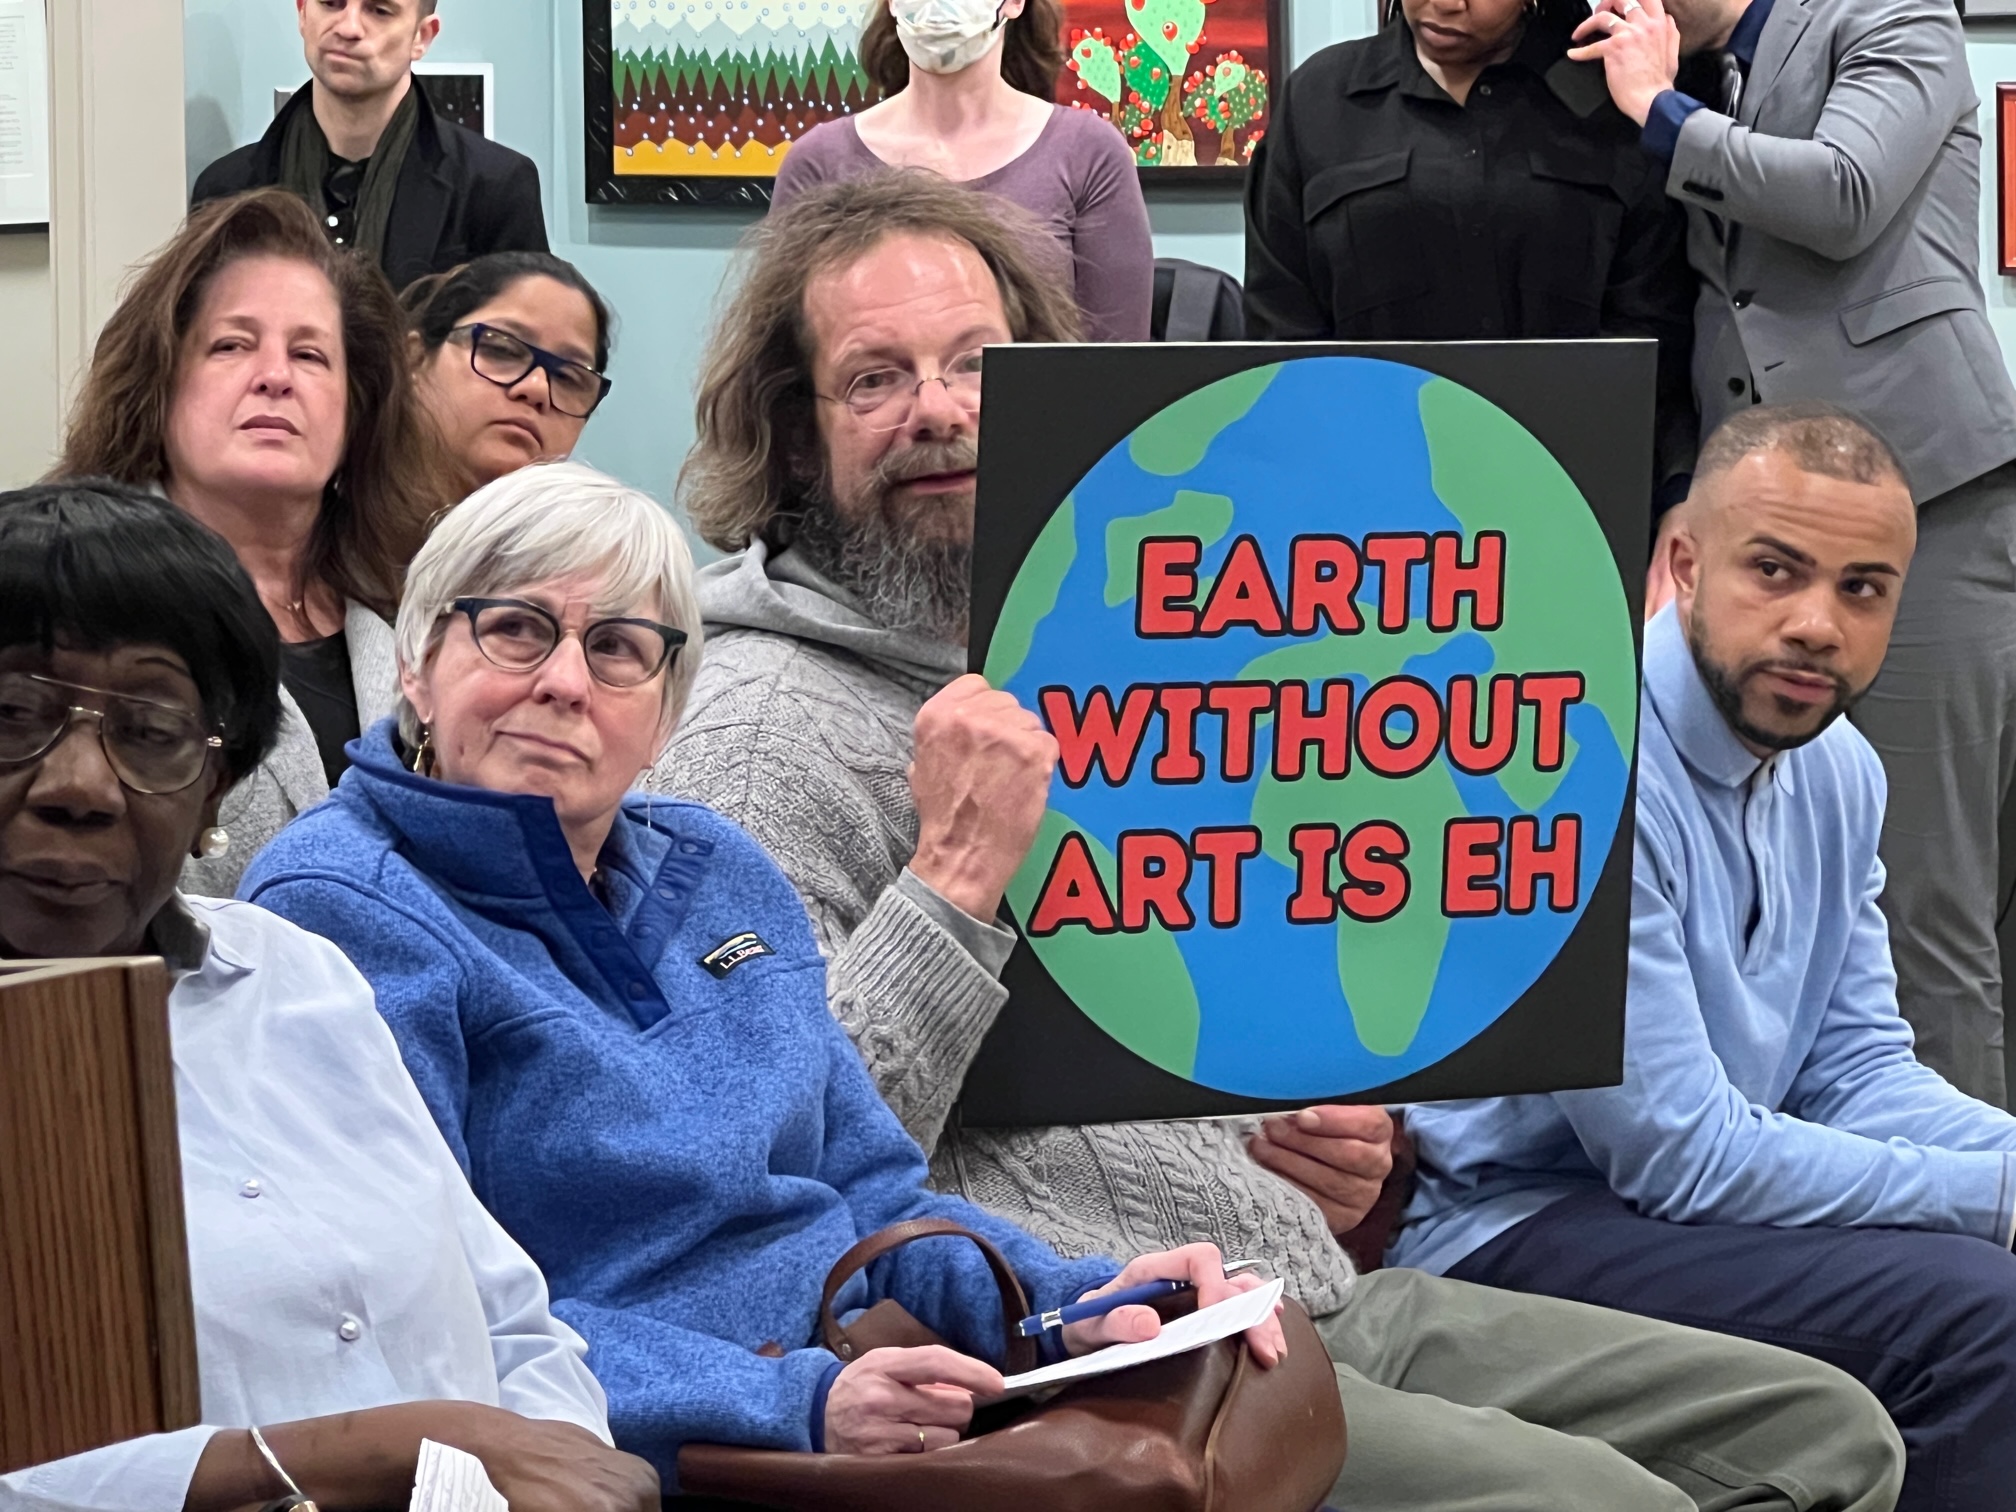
1195, 303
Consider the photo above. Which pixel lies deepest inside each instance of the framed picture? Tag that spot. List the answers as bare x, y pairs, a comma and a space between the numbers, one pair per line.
2005, 200
464, 93
24, 116
1188, 82
699, 101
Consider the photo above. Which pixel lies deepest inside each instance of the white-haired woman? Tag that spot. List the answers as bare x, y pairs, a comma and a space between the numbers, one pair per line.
617, 1013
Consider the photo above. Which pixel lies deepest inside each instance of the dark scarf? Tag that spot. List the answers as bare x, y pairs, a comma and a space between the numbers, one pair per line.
305, 161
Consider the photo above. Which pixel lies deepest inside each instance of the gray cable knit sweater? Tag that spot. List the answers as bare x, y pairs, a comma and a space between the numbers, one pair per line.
799, 729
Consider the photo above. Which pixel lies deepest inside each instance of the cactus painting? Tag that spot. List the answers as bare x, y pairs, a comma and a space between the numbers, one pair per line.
1184, 81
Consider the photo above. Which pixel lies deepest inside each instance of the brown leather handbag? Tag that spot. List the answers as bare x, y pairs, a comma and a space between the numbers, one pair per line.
1207, 1431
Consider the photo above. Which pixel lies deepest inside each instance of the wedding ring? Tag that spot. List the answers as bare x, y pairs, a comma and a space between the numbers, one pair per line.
921, 1445
1628, 7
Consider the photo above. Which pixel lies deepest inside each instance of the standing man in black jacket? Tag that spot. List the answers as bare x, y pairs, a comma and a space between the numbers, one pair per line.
360, 143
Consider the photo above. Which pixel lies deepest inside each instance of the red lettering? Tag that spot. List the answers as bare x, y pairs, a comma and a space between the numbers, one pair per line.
1224, 852
1072, 893
1481, 580
1097, 735
1168, 573
1399, 695
1323, 573
1394, 555
1296, 727
1179, 761
1243, 594
1242, 704
1375, 883
1481, 755
1527, 862
1550, 693
1469, 865
1154, 869
1314, 845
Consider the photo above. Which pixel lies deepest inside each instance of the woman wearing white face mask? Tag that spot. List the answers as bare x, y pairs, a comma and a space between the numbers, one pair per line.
968, 90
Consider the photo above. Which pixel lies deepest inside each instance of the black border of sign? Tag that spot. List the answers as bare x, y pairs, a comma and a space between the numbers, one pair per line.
1590, 404
607, 187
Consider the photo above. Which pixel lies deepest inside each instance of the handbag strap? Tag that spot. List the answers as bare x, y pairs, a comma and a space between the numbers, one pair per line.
1021, 1352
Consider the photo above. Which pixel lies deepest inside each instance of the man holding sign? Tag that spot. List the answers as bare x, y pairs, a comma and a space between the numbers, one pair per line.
1776, 1163
838, 444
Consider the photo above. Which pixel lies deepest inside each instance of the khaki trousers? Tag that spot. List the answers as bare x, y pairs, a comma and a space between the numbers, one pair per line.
1462, 1398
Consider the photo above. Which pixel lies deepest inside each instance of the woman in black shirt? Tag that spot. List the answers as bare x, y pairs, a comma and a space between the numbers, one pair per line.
1456, 178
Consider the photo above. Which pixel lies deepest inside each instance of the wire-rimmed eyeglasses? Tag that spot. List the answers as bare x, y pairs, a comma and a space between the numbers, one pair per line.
152, 747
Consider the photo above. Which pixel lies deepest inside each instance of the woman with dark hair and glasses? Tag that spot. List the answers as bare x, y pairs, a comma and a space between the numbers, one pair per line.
509, 351
352, 1297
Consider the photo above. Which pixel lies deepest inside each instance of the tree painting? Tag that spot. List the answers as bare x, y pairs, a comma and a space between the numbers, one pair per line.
1147, 77
1226, 98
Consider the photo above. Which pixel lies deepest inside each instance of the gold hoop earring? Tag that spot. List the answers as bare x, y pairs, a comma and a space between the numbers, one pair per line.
423, 753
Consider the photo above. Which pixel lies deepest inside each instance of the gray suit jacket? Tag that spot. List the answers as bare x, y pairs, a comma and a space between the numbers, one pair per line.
1834, 223
291, 779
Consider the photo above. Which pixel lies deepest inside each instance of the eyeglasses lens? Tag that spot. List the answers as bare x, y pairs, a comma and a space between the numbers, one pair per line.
619, 654
504, 359
151, 749
887, 397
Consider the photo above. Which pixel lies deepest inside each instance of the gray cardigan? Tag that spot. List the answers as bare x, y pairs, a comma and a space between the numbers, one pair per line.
291, 779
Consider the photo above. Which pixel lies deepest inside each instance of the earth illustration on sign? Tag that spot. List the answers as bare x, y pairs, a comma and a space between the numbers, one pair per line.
1346, 447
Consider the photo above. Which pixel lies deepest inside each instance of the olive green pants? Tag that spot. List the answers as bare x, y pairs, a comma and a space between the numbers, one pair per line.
1462, 1398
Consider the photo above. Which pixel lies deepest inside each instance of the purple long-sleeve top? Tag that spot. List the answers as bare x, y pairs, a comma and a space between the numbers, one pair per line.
1077, 179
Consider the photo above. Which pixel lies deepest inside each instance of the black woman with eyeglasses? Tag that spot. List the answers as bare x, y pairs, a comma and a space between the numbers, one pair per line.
509, 350
352, 1298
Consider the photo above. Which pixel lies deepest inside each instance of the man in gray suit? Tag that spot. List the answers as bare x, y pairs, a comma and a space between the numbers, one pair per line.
1832, 178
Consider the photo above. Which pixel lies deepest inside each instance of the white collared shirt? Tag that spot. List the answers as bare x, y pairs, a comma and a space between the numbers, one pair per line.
337, 1257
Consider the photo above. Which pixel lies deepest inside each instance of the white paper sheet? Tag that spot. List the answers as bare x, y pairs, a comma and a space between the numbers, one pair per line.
451, 1480
24, 114
1205, 1326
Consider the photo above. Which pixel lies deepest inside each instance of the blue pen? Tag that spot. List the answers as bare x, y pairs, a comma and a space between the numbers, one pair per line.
1148, 1292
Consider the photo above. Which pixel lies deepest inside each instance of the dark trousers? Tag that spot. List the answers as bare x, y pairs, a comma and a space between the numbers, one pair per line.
1926, 1321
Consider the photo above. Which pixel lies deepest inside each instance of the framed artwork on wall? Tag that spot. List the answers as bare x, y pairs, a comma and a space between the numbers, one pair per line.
2005, 164
699, 101
1188, 82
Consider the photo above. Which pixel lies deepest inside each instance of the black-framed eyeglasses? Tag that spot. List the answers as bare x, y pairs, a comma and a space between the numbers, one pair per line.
884, 399
518, 636
151, 747
504, 359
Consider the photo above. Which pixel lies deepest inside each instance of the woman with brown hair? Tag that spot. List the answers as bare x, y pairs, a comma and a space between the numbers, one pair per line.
258, 377
968, 86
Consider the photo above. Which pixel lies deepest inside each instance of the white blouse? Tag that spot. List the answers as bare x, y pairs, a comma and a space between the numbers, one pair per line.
337, 1257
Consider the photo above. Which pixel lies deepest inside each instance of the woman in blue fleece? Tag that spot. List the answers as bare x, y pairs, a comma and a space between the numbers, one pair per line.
615, 1009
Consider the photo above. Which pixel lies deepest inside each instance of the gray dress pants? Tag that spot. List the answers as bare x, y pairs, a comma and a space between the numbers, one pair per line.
1462, 1398
1942, 715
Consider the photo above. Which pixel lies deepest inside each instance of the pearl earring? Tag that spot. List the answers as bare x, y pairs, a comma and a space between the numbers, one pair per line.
213, 842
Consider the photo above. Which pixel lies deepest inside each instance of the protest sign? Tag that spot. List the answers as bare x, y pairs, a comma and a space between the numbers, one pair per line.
1339, 644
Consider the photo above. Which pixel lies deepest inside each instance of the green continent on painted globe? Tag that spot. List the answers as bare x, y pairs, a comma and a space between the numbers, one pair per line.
1348, 447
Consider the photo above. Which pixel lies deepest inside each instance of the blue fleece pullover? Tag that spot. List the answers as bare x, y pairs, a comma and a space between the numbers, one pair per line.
1768, 1078
684, 1150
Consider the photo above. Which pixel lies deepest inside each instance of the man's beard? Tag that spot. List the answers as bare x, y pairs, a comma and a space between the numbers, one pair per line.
1726, 689
893, 554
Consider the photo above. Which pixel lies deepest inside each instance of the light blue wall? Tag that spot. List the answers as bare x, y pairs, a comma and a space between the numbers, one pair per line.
661, 268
